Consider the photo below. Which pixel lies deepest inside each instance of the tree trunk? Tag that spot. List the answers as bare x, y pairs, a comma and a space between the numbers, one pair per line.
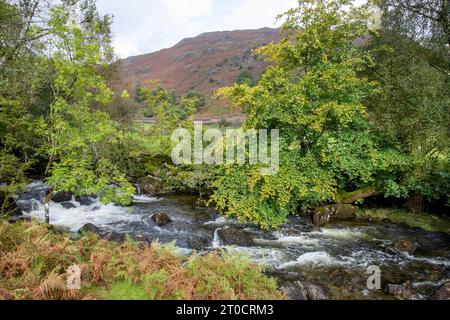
361, 194
48, 197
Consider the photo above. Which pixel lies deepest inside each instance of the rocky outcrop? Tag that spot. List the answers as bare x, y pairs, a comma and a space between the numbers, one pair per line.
112, 235
324, 215
161, 219
233, 236
68, 205
151, 186
303, 291
443, 293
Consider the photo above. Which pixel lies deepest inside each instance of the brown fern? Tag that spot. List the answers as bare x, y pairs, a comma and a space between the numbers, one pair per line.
52, 288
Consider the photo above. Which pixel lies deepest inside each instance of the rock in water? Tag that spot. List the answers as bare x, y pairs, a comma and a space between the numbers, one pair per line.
62, 197
161, 219
406, 246
151, 186
90, 228
231, 236
324, 215
442, 294
85, 200
67, 205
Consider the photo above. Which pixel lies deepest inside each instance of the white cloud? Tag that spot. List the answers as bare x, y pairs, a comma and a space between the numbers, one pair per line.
258, 13
186, 10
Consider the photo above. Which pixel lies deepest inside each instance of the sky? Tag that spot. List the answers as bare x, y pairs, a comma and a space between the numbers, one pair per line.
144, 26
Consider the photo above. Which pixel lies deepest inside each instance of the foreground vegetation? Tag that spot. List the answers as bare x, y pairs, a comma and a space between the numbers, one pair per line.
34, 260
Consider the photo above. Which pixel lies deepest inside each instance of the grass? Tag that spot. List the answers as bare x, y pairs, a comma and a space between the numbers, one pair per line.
424, 221
124, 290
34, 260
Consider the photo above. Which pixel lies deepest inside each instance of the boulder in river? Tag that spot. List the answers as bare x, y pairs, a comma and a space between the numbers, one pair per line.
324, 215
238, 237
200, 242
161, 219
442, 294
151, 186
406, 246
68, 205
90, 228
85, 200
62, 197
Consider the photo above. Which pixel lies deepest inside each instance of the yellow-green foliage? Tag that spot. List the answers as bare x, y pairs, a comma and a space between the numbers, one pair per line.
314, 94
34, 260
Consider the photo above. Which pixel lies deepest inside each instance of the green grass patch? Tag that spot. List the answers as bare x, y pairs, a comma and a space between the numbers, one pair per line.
125, 290
424, 221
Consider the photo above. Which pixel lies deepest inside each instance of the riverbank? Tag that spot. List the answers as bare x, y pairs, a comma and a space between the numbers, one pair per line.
425, 221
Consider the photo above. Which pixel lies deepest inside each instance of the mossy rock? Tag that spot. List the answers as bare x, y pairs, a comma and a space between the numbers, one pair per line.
151, 186
326, 214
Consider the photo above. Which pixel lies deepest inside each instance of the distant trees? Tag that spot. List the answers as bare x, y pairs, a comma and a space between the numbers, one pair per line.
200, 99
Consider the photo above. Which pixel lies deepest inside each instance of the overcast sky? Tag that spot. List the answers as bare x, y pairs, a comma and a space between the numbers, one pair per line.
144, 26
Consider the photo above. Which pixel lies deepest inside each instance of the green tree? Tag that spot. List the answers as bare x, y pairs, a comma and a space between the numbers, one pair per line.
199, 97
78, 135
313, 93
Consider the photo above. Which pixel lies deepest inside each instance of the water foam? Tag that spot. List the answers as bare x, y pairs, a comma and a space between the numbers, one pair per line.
73, 219
318, 258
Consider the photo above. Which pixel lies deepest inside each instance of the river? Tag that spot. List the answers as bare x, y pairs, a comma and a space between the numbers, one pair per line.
336, 257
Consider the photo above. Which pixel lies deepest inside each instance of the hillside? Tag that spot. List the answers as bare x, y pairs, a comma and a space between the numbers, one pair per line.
204, 63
